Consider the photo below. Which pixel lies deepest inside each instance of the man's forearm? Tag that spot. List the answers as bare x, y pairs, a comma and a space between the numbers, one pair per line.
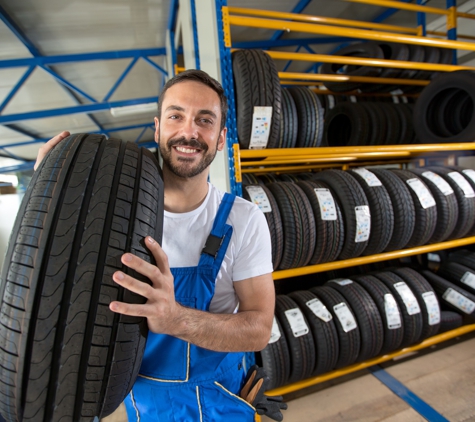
244, 331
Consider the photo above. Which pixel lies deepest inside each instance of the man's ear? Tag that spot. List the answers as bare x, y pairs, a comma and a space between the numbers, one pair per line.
222, 139
157, 129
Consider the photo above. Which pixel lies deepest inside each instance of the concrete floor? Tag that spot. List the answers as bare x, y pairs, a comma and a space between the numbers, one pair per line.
443, 377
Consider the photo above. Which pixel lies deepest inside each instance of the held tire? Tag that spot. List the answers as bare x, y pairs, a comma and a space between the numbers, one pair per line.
64, 355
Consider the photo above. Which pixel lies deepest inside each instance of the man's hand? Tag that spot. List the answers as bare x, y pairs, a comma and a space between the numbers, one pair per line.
48, 146
161, 308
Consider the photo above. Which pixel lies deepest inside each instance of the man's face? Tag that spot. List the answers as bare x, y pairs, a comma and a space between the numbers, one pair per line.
188, 132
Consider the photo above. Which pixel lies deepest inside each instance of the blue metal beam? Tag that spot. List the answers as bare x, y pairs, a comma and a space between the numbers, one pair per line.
22, 131
301, 5
4, 16
155, 65
79, 109
121, 78
15, 89
83, 57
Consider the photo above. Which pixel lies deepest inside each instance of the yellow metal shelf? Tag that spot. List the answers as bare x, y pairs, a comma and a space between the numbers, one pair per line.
352, 262
439, 338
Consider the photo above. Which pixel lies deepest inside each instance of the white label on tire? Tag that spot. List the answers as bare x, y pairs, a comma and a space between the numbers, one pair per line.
342, 281
261, 121
353, 99
469, 279
392, 312
327, 204
425, 197
459, 300
407, 296
259, 197
319, 309
346, 318
463, 184
331, 101
433, 308
470, 173
443, 186
275, 333
297, 322
370, 178
363, 223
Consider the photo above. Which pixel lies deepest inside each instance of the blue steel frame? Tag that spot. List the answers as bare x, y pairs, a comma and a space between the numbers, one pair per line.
45, 62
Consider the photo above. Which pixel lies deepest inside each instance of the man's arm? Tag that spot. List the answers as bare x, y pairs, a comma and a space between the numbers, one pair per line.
247, 330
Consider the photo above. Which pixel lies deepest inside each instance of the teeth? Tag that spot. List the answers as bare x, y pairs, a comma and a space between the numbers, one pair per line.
186, 150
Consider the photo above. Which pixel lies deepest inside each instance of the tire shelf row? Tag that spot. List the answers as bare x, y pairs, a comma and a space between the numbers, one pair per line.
301, 159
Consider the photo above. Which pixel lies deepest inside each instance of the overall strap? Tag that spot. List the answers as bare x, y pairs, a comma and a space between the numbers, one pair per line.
218, 240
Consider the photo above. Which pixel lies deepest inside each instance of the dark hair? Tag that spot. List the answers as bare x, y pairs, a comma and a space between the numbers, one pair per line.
202, 77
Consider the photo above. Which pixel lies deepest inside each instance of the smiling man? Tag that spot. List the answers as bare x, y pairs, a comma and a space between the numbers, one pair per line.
212, 295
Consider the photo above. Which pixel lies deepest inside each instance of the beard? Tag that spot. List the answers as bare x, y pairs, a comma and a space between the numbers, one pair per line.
186, 167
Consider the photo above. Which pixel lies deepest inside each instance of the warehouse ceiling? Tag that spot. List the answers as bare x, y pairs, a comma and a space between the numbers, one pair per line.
69, 27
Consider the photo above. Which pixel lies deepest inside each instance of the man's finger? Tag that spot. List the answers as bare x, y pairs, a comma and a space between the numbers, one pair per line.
132, 284
160, 257
129, 309
48, 146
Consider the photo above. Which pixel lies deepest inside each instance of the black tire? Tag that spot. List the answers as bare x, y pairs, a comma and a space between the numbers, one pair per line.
301, 346
275, 358
405, 120
446, 202
450, 320
274, 221
309, 117
458, 274
330, 234
426, 214
256, 83
298, 222
412, 320
323, 329
378, 123
451, 295
403, 208
349, 341
351, 198
465, 200
366, 49
65, 355
367, 315
289, 126
382, 215
347, 124
427, 299
464, 257
388, 310
429, 101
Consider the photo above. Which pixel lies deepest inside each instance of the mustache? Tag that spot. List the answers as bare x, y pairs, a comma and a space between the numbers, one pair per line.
191, 143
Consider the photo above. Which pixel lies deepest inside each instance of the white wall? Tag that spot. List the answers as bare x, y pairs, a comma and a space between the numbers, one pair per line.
9, 205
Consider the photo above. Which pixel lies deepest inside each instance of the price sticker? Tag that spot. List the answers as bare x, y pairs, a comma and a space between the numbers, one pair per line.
370, 178
275, 333
469, 279
441, 184
346, 318
433, 308
297, 322
463, 184
363, 223
425, 197
459, 300
470, 173
342, 281
327, 204
259, 197
392, 312
261, 121
412, 305
319, 309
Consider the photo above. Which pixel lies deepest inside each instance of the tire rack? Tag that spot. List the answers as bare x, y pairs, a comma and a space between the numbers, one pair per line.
302, 159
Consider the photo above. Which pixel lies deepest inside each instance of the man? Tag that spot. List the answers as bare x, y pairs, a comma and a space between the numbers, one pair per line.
206, 305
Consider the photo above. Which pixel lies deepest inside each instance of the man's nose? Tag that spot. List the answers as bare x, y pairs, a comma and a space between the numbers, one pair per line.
190, 129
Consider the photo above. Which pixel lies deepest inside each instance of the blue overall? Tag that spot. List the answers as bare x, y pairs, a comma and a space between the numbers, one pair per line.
179, 381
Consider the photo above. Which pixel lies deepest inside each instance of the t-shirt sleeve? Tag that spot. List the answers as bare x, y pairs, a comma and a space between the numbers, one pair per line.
254, 257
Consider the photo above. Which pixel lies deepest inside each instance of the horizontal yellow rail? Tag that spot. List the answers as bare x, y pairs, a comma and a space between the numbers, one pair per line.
347, 32
385, 256
439, 338
348, 78
362, 61
320, 19
328, 151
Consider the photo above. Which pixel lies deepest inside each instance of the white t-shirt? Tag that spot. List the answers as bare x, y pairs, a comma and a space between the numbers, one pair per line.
249, 252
